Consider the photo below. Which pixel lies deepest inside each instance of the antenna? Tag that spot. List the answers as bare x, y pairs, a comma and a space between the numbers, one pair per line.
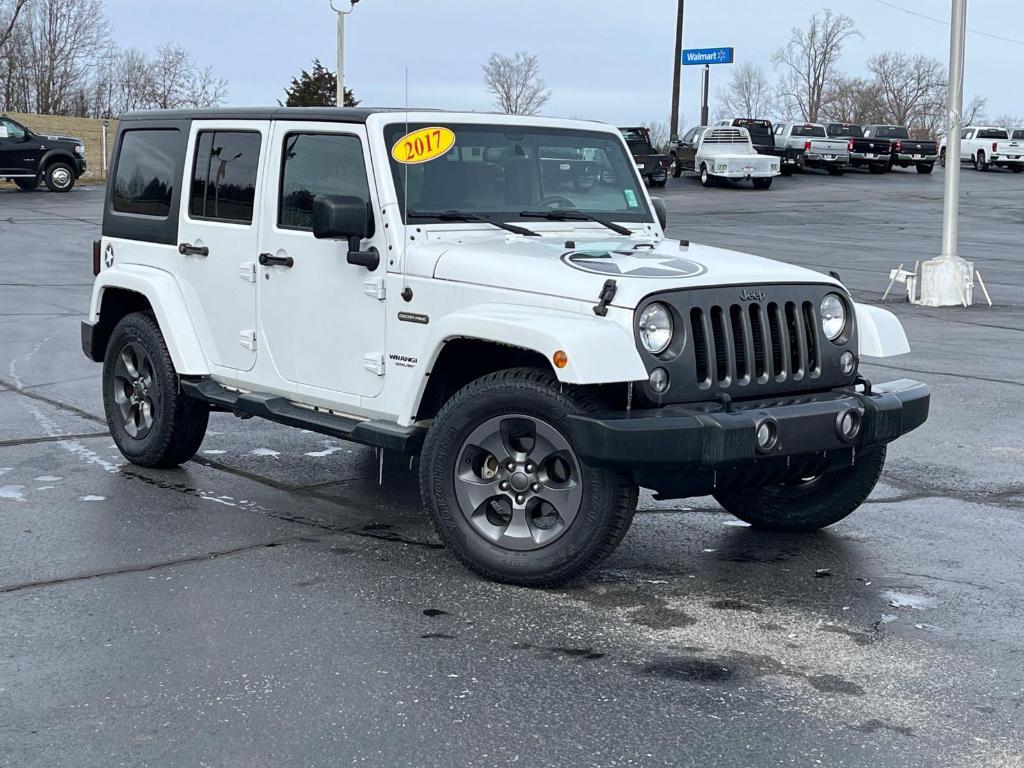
405, 191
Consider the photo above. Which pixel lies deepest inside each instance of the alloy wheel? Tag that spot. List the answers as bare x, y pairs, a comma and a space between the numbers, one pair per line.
135, 391
518, 482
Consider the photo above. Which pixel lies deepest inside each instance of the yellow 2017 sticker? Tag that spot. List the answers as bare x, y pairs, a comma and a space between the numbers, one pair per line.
423, 145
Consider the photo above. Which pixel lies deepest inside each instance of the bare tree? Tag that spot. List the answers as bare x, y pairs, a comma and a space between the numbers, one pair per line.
516, 83
974, 110
852, 100
1008, 121
10, 10
809, 59
748, 93
175, 81
659, 134
911, 88
65, 40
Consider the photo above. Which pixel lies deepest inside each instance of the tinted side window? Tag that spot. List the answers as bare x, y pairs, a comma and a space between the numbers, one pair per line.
318, 164
224, 176
11, 130
144, 182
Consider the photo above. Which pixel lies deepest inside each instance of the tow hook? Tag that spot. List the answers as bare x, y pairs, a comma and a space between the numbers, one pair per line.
605, 298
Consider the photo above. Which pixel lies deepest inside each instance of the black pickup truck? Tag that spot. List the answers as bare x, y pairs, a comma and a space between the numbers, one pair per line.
873, 153
791, 159
905, 151
26, 158
652, 164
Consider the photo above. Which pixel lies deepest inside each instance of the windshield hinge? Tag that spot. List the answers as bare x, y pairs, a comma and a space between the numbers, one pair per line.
605, 298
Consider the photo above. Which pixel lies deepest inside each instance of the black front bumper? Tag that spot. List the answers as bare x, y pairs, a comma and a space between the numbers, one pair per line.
712, 436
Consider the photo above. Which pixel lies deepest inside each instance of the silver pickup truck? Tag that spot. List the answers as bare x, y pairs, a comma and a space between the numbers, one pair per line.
820, 151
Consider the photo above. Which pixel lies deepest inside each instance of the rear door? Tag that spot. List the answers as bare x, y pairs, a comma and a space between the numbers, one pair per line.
687, 152
218, 236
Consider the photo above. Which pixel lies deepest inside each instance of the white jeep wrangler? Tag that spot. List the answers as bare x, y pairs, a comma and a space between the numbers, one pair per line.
495, 294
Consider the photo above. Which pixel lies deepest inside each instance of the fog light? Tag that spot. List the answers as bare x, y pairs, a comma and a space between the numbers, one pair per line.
847, 362
659, 380
767, 435
848, 424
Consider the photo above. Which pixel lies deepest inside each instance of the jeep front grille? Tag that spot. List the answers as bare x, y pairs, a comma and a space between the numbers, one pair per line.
755, 343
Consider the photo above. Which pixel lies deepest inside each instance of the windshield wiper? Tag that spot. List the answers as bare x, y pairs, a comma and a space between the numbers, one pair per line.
464, 216
564, 215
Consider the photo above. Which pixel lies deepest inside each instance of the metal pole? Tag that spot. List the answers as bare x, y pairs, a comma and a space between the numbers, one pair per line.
341, 59
948, 280
677, 66
705, 87
955, 98
103, 149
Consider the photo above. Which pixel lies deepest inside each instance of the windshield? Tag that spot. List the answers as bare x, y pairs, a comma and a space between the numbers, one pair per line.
500, 171
760, 130
844, 131
808, 130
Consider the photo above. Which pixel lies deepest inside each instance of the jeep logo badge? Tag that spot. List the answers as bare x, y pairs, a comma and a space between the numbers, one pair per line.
108, 255
748, 294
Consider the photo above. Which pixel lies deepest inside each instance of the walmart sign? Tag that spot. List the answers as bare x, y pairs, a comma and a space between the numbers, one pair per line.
708, 56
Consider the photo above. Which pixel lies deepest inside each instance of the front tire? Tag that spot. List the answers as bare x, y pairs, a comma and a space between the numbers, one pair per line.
942, 157
505, 489
153, 424
809, 504
60, 177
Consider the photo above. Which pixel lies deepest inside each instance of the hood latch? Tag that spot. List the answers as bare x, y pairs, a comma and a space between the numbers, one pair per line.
605, 298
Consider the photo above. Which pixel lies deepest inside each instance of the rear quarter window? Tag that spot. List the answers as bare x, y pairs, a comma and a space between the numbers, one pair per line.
146, 172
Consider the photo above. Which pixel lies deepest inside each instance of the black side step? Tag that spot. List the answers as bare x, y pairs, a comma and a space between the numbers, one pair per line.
380, 434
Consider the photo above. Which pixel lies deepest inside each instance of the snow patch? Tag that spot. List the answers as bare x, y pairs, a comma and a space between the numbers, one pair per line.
91, 497
907, 600
48, 479
324, 452
12, 492
265, 452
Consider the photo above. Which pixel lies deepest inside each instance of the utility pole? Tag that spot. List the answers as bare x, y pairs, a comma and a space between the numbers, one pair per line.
341, 48
948, 279
676, 72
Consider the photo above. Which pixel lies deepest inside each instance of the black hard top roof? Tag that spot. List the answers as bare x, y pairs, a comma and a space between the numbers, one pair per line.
327, 114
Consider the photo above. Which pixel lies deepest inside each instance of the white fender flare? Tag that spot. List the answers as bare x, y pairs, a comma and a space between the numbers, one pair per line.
879, 332
599, 349
165, 297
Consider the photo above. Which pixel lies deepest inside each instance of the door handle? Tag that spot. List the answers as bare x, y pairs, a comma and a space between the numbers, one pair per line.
187, 249
270, 260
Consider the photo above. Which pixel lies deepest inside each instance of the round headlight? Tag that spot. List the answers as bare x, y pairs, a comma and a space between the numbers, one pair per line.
833, 316
655, 325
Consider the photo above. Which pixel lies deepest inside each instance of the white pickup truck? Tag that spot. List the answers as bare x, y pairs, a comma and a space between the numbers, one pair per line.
820, 151
725, 153
985, 146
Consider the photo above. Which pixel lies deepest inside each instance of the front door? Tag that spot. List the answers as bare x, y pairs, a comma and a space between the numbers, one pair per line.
322, 318
19, 151
218, 237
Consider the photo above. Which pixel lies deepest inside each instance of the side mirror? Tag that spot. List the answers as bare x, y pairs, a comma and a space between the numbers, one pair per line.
345, 217
660, 211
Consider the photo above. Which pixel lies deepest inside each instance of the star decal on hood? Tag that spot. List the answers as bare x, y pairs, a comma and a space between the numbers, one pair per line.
633, 264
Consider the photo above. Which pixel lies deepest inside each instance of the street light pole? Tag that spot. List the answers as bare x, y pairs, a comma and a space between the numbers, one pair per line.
341, 48
677, 67
948, 279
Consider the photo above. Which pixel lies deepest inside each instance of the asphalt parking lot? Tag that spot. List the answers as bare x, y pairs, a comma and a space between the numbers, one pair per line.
269, 604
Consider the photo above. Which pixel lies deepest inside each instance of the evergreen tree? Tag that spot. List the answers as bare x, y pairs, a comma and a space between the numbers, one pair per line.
318, 88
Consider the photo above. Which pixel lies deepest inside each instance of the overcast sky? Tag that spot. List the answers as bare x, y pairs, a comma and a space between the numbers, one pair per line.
608, 60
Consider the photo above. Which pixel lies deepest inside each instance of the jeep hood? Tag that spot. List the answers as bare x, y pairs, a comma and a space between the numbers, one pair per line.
545, 265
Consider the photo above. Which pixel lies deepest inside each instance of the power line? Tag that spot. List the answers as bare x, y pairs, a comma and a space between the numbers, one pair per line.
946, 23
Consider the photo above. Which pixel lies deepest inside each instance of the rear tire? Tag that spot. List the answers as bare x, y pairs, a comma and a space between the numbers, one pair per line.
942, 157
980, 164
27, 185
659, 184
835, 170
787, 170
563, 519
808, 505
925, 167
706, 179
762, 183
60, 177
877, 169
153, 424
677, 169
1017, 168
